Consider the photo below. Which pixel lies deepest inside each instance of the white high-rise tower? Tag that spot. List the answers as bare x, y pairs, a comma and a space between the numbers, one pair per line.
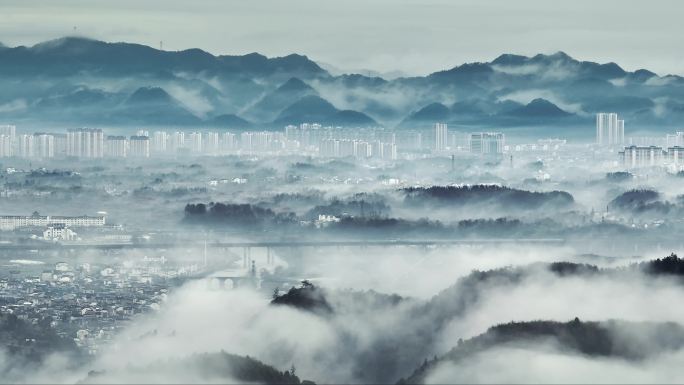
441, 136
609, 129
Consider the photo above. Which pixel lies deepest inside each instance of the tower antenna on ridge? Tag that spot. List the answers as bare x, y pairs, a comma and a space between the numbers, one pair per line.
161, 45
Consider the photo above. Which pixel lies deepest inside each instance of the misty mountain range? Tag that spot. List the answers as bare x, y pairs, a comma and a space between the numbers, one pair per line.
72, 81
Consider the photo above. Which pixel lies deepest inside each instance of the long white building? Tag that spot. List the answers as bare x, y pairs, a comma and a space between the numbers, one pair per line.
485, 143
11, 222
642, 156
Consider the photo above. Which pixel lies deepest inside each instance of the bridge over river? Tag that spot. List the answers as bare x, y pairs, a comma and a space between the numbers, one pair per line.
280, 244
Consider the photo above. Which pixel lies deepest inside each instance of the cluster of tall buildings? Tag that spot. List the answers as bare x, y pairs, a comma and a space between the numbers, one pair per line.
610, 130
26, 146
137, 146
486, 143
79, 143
479, 143
85, 143
361, 143
306, 138
642, 151
311, 139
646, 151
357, 148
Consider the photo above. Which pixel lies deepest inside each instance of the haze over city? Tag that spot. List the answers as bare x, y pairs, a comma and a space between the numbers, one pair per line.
355, 192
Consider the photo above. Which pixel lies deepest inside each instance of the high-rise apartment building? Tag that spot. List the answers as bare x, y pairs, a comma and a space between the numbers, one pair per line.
139, 147
6, 146
382, 150
246, 139
485, 143
85, 143
160, 140
609, 129
116, 146
676, 139
675, 155
228, 142
177, 141
9, 130
26, 146
194, 142
441, 136
212, 143
44, 145
60, 144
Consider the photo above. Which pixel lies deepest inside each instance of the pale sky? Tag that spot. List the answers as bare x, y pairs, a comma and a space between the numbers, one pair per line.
413, 36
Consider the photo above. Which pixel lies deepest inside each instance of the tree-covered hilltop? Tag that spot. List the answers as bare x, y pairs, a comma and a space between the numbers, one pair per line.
200, 368
610, 339
29, 341
492, 194
397, 349
305, 297
27, 346
671, 265
228, 214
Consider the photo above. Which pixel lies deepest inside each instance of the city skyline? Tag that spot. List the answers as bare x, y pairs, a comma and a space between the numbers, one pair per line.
359, 192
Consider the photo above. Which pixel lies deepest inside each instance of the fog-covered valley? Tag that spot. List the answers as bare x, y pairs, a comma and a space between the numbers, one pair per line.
412, 271
317, 192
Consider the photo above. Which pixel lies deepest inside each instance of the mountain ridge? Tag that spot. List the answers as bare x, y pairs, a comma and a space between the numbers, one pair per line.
258, 89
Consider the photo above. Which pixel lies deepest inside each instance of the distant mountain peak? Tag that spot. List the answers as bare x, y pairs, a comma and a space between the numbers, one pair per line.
309, 101
644, 72
254, 55
229, 121
510, 59
642, 75
149, 94
63, 42
296, 56
540, 102
561, 55
539, 107
295, 84
432, 111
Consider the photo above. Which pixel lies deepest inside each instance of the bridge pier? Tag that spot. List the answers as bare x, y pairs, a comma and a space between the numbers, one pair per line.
246, 257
